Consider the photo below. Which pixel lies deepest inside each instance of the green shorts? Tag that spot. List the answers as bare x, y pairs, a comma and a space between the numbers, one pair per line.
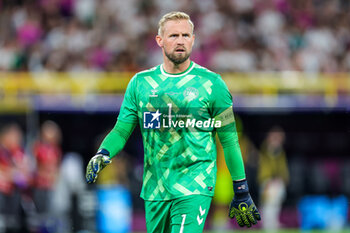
182, 215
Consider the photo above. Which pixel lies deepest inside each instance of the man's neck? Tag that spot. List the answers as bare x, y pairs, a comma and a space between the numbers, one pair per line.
172, 68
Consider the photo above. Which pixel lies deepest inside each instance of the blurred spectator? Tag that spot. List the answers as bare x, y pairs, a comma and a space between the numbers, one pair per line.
15, 179
7, 55
70, 184
47, 153
113, 35
273, 177
29, 32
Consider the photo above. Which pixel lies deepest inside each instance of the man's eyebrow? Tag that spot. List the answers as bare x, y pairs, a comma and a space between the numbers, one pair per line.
179, 33
174, 34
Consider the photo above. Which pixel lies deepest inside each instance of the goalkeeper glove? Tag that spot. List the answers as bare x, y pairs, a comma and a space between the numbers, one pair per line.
96, 164
242, 206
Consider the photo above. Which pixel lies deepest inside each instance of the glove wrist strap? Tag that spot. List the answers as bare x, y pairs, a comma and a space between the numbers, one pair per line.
102, 152
241, 189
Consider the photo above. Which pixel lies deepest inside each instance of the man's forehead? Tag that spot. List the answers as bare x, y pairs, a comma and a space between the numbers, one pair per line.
179, 25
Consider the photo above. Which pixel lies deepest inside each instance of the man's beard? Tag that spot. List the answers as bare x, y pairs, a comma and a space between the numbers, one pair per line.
177, 60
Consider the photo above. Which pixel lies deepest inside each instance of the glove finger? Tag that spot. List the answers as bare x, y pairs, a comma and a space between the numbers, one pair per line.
251, 218
91, 178
96, 165
231, 212
95, 178
257, 214
88, 178
89, 173
107, 161
245, 220
239, 220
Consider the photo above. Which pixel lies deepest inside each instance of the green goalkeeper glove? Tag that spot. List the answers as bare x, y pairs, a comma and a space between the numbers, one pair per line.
242, 206
96, 164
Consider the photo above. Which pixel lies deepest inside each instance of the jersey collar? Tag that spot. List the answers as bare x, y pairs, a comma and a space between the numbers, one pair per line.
179, 74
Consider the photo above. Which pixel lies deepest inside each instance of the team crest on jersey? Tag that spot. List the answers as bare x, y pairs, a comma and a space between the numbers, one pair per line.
153, 93
191, 93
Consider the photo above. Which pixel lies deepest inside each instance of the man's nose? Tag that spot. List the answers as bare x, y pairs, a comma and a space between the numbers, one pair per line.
180, 40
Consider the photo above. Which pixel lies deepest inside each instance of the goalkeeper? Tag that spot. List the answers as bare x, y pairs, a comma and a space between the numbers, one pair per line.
180, 106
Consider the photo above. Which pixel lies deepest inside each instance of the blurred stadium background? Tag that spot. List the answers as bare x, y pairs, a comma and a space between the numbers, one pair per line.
64, 68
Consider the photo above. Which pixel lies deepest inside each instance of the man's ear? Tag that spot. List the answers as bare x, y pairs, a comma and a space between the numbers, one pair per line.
159, 40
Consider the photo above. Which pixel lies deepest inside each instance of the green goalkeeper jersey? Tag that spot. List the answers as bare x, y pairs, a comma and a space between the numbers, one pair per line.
178, 115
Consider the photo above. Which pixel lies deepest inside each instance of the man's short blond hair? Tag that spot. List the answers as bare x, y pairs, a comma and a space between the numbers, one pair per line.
174, 15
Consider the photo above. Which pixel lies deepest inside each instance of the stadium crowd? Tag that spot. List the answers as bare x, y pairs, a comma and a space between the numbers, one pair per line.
37, 183
233, 35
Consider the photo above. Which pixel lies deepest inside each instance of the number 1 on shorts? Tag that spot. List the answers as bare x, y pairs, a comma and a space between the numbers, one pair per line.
183, 223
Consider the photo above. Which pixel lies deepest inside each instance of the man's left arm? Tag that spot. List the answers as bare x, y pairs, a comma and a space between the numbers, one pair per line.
242, 206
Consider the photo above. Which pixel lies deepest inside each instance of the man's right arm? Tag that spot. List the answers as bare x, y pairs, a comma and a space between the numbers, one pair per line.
113, 143
115, 140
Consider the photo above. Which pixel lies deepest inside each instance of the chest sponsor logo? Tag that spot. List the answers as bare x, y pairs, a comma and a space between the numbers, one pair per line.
151, 120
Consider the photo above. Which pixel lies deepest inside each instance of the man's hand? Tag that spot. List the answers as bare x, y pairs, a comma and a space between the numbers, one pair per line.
96, 164
242, 206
